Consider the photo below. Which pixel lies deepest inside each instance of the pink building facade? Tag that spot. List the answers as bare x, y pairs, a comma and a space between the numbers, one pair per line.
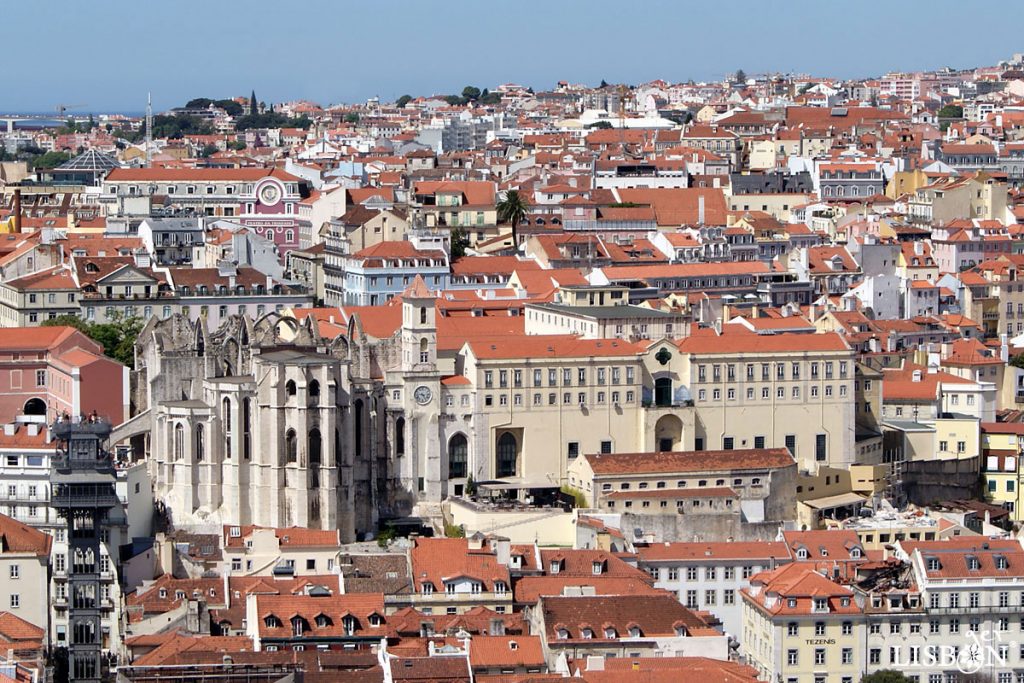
48, 371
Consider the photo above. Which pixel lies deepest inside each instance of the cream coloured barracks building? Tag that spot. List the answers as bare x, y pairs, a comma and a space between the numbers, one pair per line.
337, 417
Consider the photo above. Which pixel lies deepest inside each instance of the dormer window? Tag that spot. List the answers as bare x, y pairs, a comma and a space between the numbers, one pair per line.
563, 634
597, 568
271, 621
801, 554
349, 624
587, 633
1000, 562
932, 564
820, 605
299, 626
791, 603
824, 552
844, 602
179, 595
972, 563
375, 620
322, 621
427, 589
163, 593
555, 566
609, 633
855, 553
634, 632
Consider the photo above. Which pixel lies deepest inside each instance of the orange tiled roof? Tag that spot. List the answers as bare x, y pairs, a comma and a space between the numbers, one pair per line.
197, 174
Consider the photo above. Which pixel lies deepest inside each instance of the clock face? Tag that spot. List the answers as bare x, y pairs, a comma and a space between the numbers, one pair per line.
422, 395
269, 195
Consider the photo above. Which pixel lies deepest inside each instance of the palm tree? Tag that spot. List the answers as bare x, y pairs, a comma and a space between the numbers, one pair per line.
512, 209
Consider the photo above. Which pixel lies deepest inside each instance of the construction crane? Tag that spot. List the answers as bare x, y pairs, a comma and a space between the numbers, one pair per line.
61, 108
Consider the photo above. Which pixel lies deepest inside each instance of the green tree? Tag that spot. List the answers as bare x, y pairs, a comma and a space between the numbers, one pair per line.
236, 145
208, 151
253, 109
177, 126
352, 117
230, 107
50, 160
741, 76
601, 125
459, 244
885, 676
272, 120
471, 93
67, 320
454, 530
198, 103
386, 535
604, 84
403, 100
59, 662
512, 210
951, 111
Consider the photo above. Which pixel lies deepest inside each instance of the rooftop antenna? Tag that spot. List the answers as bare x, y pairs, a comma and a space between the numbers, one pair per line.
149, 129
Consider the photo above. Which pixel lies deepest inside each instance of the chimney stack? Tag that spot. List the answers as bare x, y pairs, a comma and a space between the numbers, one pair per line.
17, 209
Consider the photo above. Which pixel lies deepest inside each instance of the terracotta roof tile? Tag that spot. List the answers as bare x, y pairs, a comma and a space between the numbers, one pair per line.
655, 615
16, 537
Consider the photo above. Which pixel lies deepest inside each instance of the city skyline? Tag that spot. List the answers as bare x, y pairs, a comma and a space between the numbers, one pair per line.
577, 37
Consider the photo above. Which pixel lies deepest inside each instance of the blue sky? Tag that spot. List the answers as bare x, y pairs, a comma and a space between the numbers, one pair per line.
340, 51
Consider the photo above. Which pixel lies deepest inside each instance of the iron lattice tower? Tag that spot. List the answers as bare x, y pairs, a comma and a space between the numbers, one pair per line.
83, 494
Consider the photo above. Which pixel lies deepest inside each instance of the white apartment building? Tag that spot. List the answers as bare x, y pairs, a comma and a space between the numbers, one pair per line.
25, 452
710, 576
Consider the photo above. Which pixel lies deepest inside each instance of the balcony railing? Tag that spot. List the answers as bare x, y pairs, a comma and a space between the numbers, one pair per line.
968, 609
84, 496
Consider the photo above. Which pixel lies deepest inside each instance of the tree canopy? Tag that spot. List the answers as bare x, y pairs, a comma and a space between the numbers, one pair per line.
459, 244
177, 126
471, 93
951, 111
403, 100
272, 120
512, 210
885, 676
50, 160
228, 105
